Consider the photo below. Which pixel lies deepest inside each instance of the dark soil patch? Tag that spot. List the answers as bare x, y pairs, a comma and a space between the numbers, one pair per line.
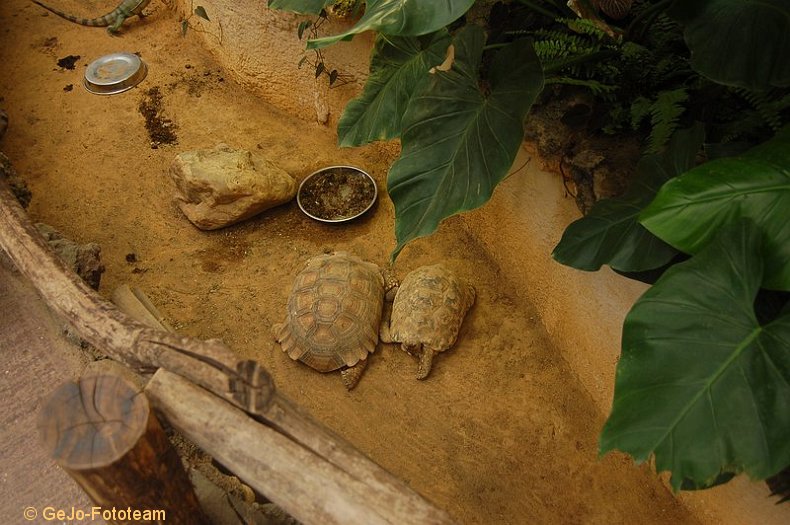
68, 62
161, 130
338, 194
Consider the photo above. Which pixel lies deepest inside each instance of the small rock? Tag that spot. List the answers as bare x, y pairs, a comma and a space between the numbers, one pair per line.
222, 186
84, 259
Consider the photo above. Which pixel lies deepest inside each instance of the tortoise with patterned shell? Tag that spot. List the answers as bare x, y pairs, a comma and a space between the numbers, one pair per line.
427, 313
334, 313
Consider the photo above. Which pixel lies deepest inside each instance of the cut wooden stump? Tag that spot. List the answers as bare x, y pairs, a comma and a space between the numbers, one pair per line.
102, 432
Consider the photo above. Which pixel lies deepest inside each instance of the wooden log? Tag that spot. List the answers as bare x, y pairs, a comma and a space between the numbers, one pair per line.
133, 302
306, 485
102, 432
209, 364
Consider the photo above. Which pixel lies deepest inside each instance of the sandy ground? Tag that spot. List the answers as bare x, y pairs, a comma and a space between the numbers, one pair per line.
501, 432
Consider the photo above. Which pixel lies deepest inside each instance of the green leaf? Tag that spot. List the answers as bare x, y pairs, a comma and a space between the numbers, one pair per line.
689, 210
457, 143
397, 65
611, 234
721, 479
304, 7
738, 42
700, 383
201, 12
401, 18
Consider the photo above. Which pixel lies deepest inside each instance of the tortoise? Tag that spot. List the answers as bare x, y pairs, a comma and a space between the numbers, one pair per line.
334, 313
427, 313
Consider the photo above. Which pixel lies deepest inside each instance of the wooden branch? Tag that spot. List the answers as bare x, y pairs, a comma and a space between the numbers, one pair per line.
209, 364
102, 432
312, 490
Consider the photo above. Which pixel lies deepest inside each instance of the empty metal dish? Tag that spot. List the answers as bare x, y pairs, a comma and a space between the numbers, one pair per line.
114, 73
336, 194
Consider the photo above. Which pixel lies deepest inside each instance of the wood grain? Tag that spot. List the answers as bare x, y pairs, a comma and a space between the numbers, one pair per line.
102, 432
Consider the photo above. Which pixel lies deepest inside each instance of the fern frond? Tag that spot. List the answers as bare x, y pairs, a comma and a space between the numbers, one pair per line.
749, 123
662, 32
583, 27
560, 38
767, 105
640, 109
557, 49
664, 115
596, 87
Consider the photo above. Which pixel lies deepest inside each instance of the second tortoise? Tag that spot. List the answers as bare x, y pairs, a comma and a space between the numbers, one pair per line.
427, 313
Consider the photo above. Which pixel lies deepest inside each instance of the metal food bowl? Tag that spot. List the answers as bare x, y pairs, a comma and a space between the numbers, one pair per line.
324, 193
114, 73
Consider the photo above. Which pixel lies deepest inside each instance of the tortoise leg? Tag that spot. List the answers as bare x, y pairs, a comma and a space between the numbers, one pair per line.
384, 332
384, 327
391, 289
352, 374
426, 360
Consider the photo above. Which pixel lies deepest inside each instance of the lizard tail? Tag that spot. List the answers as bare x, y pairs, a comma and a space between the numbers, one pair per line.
102, 21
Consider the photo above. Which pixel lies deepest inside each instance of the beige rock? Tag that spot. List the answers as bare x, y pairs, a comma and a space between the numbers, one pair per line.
222, 186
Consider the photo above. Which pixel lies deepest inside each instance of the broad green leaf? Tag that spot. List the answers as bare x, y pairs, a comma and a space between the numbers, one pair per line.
742, 43
611, 233
689, 210
304, 7
721, 479
457, 143
401, 18
700, 383
396, 66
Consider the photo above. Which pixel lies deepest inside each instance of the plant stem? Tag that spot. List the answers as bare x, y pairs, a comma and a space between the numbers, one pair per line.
496, 46
538, 9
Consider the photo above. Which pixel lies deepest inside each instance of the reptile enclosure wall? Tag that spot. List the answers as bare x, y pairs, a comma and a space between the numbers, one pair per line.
505, 429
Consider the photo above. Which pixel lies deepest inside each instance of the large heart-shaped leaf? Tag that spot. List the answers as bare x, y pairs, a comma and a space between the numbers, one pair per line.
401, 18
700, 383
738, 42
611, 233
457, 143
689, 210
305, 7
396, 66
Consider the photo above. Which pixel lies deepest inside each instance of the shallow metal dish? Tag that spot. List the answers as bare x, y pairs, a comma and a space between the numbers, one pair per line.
114, 73
336, 174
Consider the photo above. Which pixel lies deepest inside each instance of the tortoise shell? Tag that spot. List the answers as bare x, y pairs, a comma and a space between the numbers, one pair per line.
334, 312
429, 308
